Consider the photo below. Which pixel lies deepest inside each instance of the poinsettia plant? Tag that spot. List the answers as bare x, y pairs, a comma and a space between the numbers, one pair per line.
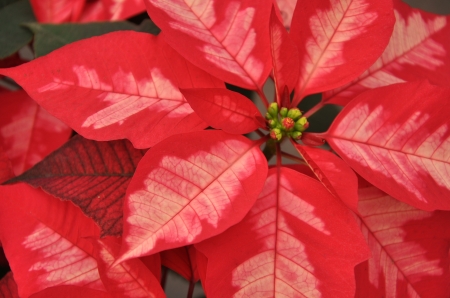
172, 168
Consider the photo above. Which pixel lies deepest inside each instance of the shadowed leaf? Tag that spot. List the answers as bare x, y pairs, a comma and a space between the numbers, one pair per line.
93, 175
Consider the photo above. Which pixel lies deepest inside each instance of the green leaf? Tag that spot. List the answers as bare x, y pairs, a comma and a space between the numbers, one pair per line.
12, 35
49, 37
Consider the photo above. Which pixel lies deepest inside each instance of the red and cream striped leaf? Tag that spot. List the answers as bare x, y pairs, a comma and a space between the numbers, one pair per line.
285, 61
228, 39
397, 137
92, 175
45, 241
296, 241
409, 249
334, 174
332, 34
123, 9
188, 188
224, 109
57, 11
28, 133
419, 49
128, 97
128, 279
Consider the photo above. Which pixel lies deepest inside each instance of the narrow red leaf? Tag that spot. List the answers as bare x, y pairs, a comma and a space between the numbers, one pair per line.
296, 241
409, 249
397, 137
123, 9
6, 171
285, 61
128, 97
93, 11
182, 260
8, 287
127, 279
337, 177
224, 109
93, 175
228, 39
27, 132
57, 11
286, 8
332, 34
70, 292
418, 49
188, 188
45, 241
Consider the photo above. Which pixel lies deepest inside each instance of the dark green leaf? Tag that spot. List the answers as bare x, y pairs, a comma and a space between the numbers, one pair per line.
49, 37
12, 35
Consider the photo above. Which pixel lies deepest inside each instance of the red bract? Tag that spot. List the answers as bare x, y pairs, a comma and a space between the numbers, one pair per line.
206, 199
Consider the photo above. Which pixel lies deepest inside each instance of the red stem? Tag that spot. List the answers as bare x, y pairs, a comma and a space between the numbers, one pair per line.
191, 289
263, 97
314, 109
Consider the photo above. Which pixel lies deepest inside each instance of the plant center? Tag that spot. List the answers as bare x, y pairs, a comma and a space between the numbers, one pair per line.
285, 122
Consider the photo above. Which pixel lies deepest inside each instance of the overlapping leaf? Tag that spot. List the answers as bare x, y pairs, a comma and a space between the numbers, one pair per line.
409, 249
28, 133
45, 241
331, 35
6, 171
286, 8
57, 11
182, 260
127, 279
418, 49
8, 286
397, 137
334, 174
93, 175
228, 39
135, 95
121, 10
296, 241
188, 188
224, 109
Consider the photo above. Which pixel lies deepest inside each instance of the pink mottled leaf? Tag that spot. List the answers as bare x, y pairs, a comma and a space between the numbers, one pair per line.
188, 188
286, 8
397, 137
123, 9
8, 286
28, 133
224, 109
57, 11
128, 97
182, 260
337, 177
409, 249
296, 241
332, 34
127, 279
285, 61
45, 241
419, 49
228, 39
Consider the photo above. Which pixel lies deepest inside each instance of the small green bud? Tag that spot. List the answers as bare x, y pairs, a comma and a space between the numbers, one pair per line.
273, 110
272, 123
301, 124
268, 116
283, 112
276, 134
296, 135
294, 113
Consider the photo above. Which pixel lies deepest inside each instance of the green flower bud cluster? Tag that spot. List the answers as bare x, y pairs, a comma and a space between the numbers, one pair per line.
285, 122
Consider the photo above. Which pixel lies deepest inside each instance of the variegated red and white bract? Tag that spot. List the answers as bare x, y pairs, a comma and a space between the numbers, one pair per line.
203, 196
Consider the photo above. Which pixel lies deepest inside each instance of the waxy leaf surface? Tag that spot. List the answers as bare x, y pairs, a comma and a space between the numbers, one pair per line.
45, 241
188, 188
135, 95
123, 9
397, 137
57, 11
93, 175
286, 65
8, 286
334, 174
409, 249
419, 49
182, 260
28, 133
224, 109
127, 279
296, 241
228, 39
332, 34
